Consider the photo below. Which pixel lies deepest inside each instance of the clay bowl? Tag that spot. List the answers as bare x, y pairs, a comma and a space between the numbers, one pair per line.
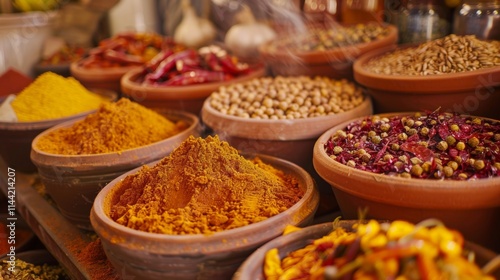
252, 268
335, 63
217, 256
16, 137
73, 181
184, 98
470, 206
475, 92
292, 140
103, 78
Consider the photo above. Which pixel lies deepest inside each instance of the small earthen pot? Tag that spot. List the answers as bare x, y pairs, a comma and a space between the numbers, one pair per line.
73, 181
217, 256
188, 98
471, 206
252, 268
16, 137
475, 93
335, 63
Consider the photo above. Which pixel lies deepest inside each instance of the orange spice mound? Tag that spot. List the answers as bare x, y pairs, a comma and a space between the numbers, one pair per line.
204, 186
93, 257
114, 127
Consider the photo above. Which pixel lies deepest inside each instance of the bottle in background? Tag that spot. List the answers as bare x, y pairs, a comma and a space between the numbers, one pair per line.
478, 17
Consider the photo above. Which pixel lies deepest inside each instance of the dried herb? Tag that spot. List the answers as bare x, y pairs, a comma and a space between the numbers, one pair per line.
431, 145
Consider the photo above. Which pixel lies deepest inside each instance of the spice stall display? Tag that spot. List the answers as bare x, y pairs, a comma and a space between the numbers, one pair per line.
417, 166
456, 73
200, 211
283, 117
325, 50
105, 64
352, 249
77, 158
47, 101
183, 80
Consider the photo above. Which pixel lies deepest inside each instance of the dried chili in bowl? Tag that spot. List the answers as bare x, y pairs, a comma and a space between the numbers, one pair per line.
432, 145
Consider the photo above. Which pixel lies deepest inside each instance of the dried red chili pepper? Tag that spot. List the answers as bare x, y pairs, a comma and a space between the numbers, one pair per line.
168, 64
121, 57
196, 77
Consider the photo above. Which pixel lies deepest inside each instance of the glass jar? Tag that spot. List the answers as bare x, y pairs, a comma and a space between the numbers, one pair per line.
478, 17
420, 21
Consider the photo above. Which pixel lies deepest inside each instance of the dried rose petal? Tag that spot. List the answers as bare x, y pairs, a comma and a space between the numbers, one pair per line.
432, 145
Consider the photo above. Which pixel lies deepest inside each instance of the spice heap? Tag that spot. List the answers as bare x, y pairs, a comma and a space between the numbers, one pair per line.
52, 96
330, 37
28, 271
451, 54
287, 97
429, 146
115, 127
396, 250
204, 186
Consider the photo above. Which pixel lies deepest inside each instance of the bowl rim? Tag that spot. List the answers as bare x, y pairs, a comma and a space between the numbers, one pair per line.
111, 158
130, 87
296, 129
44, 124
318, 57
100, 215
434, 84
331, 171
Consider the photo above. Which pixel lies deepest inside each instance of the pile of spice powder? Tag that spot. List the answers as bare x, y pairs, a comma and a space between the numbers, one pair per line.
114, 127
429, 146
51, 96
204, 186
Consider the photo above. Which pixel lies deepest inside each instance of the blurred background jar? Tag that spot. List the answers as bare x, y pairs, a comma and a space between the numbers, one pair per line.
478, 17
423, 20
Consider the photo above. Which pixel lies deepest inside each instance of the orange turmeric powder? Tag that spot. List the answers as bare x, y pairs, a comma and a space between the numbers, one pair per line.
204, 186
114, 127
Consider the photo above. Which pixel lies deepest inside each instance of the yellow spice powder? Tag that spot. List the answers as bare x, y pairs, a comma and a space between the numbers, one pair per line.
114, 127
52, 96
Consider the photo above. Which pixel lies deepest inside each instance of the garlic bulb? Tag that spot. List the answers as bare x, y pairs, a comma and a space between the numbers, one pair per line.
244, 38
193, 31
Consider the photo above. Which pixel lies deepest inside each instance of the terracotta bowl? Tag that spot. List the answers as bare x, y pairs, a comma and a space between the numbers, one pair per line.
103, 78
73, 181
475, 92
16, 137
292, 140
335, 63
185, 98
252, 268
472, 206
217, 256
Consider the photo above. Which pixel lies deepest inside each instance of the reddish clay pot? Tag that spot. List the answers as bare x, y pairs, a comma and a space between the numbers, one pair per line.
472, 206
335, 63
147, 255
475, 92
